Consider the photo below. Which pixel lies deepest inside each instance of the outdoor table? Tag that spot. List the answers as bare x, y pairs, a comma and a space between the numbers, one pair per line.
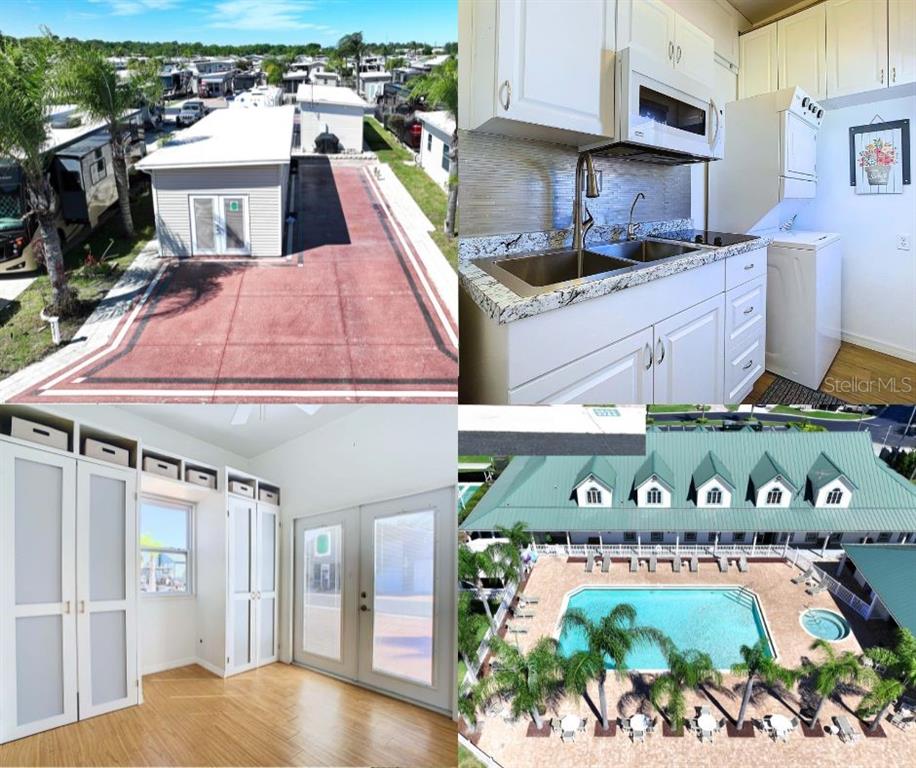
707, 723
569, 725
781, 724
639, 723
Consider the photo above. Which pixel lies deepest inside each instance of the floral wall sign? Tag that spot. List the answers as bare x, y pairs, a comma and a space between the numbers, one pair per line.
879, 157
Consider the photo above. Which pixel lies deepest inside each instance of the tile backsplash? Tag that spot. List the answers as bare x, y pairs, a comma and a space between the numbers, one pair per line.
516, 185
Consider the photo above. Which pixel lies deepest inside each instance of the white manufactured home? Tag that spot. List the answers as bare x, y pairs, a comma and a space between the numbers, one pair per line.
324, 108
435, 143
220, 186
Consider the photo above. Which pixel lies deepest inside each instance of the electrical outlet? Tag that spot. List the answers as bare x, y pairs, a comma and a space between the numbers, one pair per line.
903, 242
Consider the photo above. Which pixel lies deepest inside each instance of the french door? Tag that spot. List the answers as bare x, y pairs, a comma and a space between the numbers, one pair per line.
219, 225
374, 598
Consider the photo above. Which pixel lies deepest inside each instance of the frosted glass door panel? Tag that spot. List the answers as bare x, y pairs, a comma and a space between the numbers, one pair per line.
241, 636
266, 628
108, 633
234, 224
268, 552
241, 551
322, 599
38, 524
107, 539
402, 631
204, 221
242, 639
40, 686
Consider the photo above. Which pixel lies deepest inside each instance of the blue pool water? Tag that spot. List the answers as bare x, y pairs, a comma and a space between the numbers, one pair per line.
826, 625
717, 621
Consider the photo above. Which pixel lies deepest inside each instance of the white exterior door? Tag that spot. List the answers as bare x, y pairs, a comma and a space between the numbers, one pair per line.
573, 91
325, 586
801, 41
758, 71
106, 581
689, 354
901, 29
267, 576
857, 34
242, 639
38, 665
220, 225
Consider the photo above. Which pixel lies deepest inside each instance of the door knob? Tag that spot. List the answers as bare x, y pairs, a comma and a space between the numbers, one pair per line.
362, 595
364, 608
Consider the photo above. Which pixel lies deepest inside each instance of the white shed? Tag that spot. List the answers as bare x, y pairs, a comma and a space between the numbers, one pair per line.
338, 110
435, 140
371, 84
220, 186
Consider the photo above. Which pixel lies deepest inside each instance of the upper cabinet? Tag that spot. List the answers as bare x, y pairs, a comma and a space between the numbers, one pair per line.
857, 34
533, 69
802, 51
758, 71
902, 41
657, 28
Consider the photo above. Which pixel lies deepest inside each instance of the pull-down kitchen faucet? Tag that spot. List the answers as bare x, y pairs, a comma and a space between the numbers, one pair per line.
631, 227
582, 226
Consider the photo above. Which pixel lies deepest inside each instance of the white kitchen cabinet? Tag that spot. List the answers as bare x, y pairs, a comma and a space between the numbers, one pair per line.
538, 70
694, 52
619, 373
688, 364
758, 70
653, 27
802, 51
857, 35
901, 41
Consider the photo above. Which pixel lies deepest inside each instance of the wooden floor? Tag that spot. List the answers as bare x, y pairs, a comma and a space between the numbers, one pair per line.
276, 715
860, 375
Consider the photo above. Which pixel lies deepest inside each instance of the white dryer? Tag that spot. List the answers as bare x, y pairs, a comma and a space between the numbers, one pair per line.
804, 283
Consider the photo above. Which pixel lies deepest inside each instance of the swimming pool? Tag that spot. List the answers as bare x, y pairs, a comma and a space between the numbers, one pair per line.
715, 620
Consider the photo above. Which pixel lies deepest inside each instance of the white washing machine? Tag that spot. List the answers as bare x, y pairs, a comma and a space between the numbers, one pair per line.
804, 281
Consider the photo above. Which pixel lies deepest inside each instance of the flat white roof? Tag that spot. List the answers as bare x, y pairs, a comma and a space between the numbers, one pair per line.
441, 120
569, 419
229, 137
374, 75
328, 94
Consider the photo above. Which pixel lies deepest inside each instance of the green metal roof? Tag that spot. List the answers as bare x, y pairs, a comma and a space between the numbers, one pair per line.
824, 471
768, 469
654, 466
538, 490
889, 569
600, 468
712, 466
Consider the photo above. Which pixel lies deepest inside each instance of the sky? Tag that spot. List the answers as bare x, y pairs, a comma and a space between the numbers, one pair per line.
235, 22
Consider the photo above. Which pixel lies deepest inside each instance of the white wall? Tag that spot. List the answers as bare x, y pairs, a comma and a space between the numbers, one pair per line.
879, 282
376, 453
431, 159
344, 121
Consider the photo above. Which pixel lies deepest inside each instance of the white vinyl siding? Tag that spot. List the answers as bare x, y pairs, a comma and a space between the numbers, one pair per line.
260, 183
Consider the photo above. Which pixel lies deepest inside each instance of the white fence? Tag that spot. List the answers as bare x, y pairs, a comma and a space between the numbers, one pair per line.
666, 550
482, 756
508, 595
835, 588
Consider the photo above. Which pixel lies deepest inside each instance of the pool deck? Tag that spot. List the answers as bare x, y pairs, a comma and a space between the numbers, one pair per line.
782, 603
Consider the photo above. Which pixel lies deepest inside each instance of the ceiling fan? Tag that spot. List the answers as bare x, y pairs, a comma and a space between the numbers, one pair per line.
243, 412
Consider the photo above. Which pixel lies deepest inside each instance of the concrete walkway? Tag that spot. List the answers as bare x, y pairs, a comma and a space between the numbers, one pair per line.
12, 287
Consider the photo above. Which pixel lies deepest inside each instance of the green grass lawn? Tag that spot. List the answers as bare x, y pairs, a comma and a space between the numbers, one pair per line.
475, 459
467, 760
788, 409
428, 195
676, 408
24, 337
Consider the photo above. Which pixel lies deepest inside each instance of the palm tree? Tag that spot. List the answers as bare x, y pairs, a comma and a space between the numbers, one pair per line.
468, 703
440, 87
687, 670
830, 673
511, 550
352, 45
470, 565
470, 628
27, 93
91, 82
899, 674
612, 636
530, 679
880, 699
757, 664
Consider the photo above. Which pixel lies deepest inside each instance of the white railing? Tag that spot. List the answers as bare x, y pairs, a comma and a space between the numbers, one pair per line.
835, 588
508, 595
665, 550
478, 753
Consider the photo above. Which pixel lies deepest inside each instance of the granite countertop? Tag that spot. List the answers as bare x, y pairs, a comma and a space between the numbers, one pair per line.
503, 305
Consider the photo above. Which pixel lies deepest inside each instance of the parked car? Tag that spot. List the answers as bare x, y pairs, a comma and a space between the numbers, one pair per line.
190, 112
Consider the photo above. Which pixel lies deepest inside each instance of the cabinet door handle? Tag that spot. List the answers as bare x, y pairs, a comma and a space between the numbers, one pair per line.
893, 74
648, 355
678, 60
506, 88
747, 365
882, 75
66, 606
660, 357
748, 266
670, 50
748, 310
82, 606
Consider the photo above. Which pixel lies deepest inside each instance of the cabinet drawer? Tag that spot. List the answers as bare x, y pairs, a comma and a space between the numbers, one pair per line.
745, 266
745, 314
743, 369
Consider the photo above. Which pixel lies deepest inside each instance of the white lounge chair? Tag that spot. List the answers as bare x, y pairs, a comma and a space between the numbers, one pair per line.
803, 576
676, 565
529, 599
605, 562
634, 563
517, 628
590, 562
694, 564
723, 565
816, 589
653, 563
742, 564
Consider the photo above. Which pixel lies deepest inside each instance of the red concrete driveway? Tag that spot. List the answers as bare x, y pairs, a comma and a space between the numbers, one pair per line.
350, 316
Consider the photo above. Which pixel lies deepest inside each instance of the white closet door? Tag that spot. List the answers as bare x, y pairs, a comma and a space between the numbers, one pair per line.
241, 648
38, 666
266, 605
106, 581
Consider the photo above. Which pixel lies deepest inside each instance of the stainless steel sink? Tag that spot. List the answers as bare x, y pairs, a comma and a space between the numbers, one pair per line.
644, 251
546, 271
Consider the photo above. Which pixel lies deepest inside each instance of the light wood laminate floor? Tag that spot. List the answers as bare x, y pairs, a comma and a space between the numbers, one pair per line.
276, 715
860, 375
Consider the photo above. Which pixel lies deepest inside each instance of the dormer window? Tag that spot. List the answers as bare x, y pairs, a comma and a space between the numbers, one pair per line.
835, 496
654, 496
714, 497
774, 496
593, 496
